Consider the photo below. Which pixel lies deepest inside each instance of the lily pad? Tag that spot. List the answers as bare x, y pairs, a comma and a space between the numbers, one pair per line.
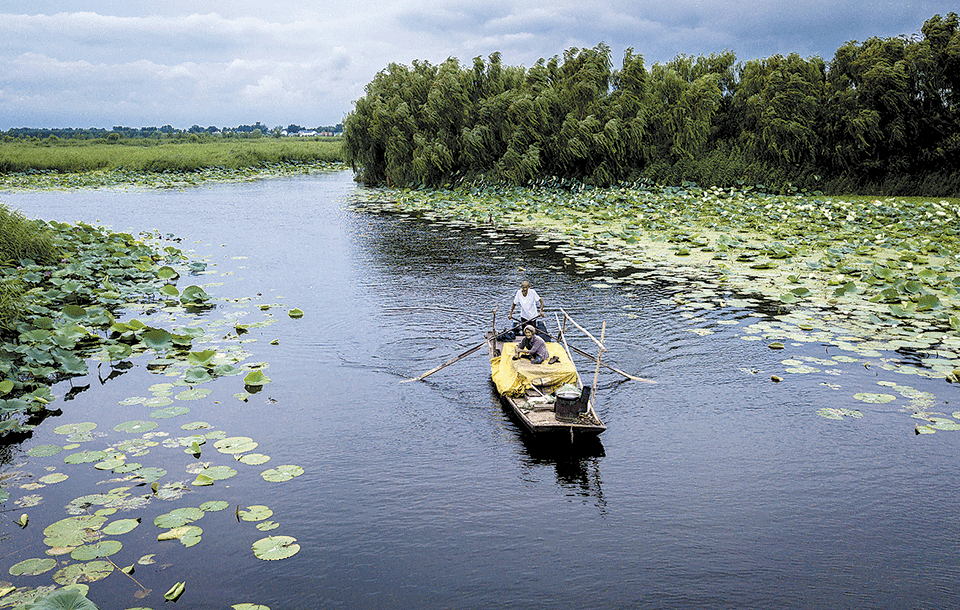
73, 531
169, 412
255, 378
256, 512
254, 459
96, 550
44, 450
281, 473
193, 394
83, 457
178, 517
120, 526
53, 477
874, 397
33, 567
135, 426
188, 535
78, 428
214, 506
235, 444
274, 548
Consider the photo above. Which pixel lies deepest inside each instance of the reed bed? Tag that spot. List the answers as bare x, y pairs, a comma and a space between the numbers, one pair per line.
67, 157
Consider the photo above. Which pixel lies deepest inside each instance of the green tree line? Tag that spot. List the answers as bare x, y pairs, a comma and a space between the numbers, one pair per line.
881, 118
163, 133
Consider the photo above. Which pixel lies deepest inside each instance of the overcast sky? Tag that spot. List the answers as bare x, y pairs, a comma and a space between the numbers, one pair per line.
86, 63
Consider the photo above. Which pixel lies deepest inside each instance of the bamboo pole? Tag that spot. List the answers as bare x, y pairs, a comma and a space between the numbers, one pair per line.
569, 355
596, 374
584, 330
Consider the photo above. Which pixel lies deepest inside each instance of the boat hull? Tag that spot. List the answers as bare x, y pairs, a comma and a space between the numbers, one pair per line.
533, 406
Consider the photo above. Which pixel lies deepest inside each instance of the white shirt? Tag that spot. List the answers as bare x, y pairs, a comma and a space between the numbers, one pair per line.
529, 305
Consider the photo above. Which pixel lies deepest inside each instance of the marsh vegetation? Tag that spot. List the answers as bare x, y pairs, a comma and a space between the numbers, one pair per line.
879, 118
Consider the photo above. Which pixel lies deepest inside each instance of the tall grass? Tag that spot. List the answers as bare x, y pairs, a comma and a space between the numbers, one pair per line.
20, 239
69, 156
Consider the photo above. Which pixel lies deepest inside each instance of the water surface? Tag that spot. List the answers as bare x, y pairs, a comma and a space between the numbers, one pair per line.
713, 488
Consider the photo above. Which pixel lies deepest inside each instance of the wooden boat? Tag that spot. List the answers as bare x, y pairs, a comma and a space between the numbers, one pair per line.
547, 399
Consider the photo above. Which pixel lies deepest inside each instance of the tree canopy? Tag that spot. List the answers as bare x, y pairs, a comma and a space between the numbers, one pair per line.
881, 116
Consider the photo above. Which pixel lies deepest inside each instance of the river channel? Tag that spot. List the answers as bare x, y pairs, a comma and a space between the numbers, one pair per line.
712, 488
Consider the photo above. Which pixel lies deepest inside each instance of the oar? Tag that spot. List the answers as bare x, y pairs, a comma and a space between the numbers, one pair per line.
612, 368
447, 363
461, 356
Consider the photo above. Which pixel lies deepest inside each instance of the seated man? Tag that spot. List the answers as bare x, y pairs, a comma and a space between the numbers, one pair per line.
532, 346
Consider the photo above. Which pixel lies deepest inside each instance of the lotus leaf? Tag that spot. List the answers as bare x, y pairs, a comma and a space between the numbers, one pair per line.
255, 378
295, 313
96, 550
197, 375
873, 397
169, 412
249, 607
202, 480
174, 592
178, 517
33, 567
73, 531
254, 459
135, 426
158, 339
266, 526
235, 444
171, 491
109, 464
257, 512
213, 506
170, 290
197, 425
273, 548
44, 450
201, 358
158, 401
194, 295
53, 478
83, 572
194, 394
83, 457
120, 526
219, 473
188, 535
281, 473
75, 428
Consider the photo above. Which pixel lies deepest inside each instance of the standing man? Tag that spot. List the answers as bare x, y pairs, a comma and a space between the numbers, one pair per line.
531, 305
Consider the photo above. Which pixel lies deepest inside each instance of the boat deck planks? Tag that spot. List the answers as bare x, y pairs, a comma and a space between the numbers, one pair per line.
539, 417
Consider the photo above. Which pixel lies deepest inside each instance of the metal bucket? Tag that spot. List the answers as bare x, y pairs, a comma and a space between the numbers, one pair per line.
567, 405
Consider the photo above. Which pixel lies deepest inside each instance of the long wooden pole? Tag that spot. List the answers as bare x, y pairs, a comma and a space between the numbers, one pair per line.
569, 355
604, 364
583, 330
596, 373
461, 356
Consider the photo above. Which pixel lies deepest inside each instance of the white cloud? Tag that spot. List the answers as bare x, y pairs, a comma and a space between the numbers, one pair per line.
106, 63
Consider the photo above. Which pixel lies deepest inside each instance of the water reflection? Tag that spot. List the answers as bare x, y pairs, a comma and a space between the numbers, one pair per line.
576, 465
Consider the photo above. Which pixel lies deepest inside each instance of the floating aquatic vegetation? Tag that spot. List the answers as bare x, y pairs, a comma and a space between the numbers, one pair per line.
274, 548
281, 473
832, 413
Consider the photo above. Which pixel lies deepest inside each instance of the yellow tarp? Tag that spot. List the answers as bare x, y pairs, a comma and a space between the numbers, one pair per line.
514, 377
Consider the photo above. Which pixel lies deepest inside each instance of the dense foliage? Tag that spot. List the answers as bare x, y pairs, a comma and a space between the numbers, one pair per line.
881, 117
